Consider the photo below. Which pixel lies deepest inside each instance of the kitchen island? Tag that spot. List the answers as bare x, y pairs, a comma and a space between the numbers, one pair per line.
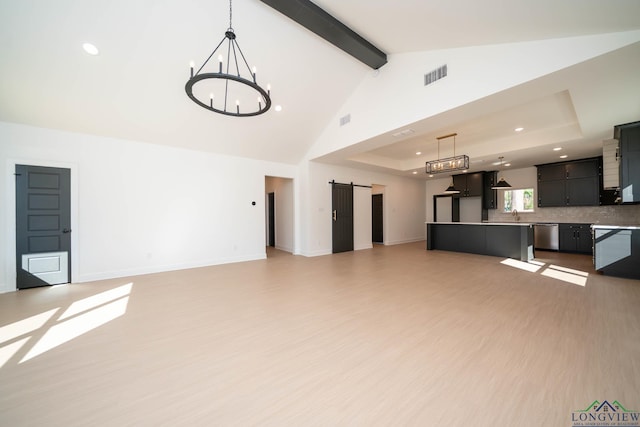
503, 239
616, 250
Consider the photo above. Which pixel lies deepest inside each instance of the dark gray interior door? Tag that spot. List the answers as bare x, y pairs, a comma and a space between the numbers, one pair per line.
272, 219
342, 195
376, 218
43, 226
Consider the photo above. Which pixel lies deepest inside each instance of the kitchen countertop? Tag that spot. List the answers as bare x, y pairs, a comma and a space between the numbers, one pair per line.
616, 227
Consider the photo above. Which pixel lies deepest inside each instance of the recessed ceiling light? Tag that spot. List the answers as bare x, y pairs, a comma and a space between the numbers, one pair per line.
418, 153
90, 49
430, 176
557, 149
564, 156
278, 107
415, 173
519, 129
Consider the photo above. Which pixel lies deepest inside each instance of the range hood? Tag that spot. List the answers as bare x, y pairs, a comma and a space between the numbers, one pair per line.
610, 164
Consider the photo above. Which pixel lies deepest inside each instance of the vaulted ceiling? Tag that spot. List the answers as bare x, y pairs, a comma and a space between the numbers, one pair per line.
134, 89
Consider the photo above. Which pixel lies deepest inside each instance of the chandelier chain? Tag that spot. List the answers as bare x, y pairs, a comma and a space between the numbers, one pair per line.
230, 15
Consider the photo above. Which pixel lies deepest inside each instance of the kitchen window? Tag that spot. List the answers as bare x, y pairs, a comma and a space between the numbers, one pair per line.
520, 200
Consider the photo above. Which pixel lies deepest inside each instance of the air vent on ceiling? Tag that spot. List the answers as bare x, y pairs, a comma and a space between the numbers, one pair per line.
345, 119
405, 132
436, 74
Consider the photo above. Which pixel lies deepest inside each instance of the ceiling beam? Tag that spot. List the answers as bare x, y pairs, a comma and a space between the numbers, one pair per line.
329, 28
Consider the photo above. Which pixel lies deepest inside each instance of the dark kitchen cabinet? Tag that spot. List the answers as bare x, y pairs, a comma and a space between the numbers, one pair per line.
551, 193
583, 191
552, 172
576, 238
629, 137
489, 196
469, 184
575, 183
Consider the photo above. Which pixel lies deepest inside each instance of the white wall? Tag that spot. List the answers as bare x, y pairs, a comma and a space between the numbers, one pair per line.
404, 206
140, 208
396, 97
362, 238
284, 211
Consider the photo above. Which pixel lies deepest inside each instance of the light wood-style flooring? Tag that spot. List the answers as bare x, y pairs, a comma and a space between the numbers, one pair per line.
395, 335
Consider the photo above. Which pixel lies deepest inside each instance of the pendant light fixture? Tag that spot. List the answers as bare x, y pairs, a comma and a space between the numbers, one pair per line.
451, 189
230, 89
501, 184
448, 164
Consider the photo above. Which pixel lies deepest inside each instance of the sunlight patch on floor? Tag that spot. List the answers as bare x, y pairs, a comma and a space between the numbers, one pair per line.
568, 275
9, 350
79, 318
73, 328
578, 278
25, 326
96, 300
526, 266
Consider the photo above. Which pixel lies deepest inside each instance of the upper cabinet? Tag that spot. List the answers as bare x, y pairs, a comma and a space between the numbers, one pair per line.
469, 184
575, 183
629, 137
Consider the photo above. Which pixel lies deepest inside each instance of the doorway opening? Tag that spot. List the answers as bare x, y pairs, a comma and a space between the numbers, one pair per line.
279, 215
377, 214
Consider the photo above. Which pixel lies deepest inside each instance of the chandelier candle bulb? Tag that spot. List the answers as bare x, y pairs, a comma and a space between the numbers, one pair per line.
220, 58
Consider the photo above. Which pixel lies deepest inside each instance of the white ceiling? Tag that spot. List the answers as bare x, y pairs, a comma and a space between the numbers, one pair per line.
135, 88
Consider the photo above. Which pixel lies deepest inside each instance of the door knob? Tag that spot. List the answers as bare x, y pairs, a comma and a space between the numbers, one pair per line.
66, 230
335, 215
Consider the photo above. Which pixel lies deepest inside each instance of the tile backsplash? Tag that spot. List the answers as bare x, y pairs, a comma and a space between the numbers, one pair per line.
607, 215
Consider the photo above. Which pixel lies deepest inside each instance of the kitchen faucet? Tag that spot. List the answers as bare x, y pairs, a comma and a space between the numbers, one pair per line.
514, 213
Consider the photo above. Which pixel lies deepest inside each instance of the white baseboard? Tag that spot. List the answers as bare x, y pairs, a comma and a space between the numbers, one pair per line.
359, 248
320, 252
400, 242
163, 268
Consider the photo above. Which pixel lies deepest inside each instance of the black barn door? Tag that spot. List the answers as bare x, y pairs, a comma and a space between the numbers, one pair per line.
43, 226
342, 195
376, 218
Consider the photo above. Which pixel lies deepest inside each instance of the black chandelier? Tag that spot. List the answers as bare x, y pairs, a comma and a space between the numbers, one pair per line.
228, 82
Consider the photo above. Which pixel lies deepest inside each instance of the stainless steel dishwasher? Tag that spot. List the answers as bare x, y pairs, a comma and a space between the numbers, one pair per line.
546, 236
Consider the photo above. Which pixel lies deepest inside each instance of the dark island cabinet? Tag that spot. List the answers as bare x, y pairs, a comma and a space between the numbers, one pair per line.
489, 196
469, 184
617, 250
629, 137
575, 183
576, 238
